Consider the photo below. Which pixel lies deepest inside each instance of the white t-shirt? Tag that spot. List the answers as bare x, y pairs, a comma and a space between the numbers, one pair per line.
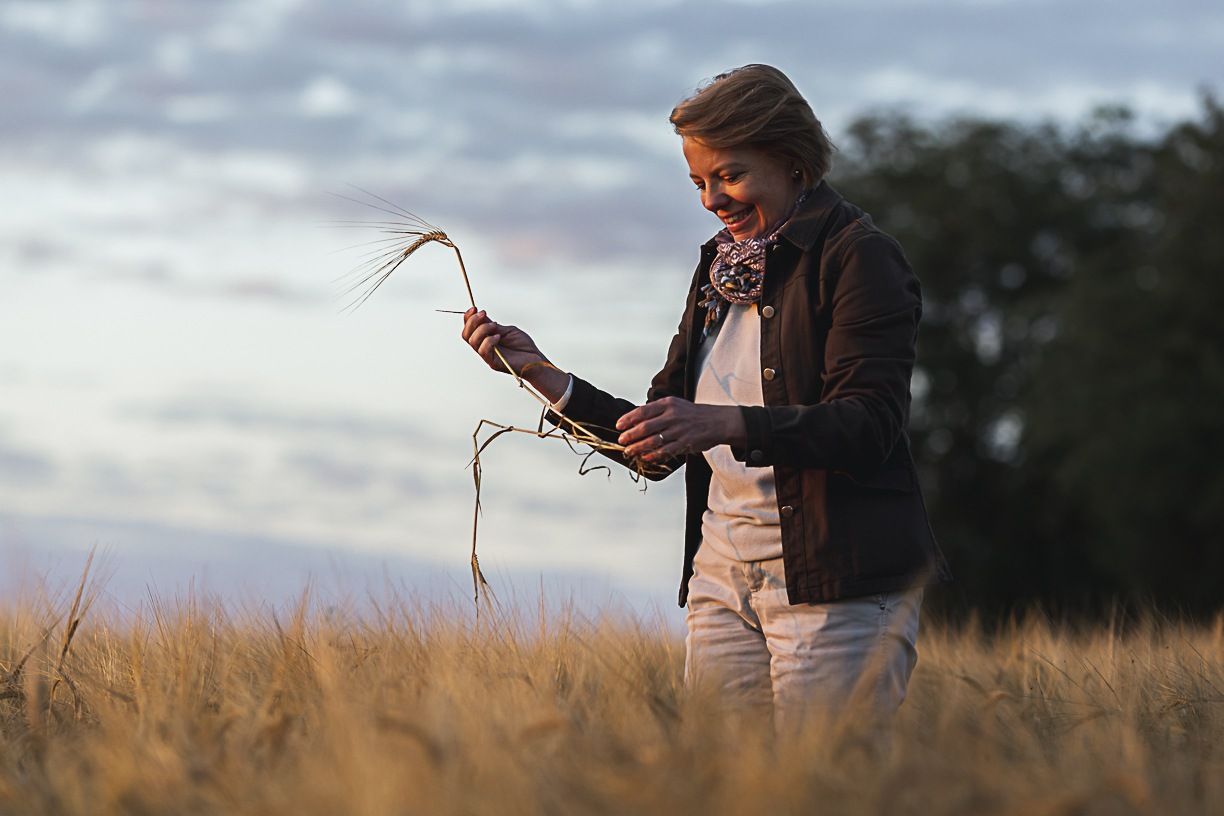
741, 520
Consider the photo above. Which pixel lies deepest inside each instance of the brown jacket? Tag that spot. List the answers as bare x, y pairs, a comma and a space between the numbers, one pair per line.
840, 308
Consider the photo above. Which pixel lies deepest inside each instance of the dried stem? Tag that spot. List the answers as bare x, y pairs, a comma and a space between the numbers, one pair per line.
408, 233
80, 605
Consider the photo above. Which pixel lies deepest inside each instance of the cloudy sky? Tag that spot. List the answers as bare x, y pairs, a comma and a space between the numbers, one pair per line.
178, 382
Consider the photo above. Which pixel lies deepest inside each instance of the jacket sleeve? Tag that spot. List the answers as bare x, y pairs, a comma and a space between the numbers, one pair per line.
876, 303
598, 410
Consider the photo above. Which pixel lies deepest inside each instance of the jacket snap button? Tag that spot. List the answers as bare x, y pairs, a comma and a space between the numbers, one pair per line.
787, 511
769, 373
756, 456
767, 312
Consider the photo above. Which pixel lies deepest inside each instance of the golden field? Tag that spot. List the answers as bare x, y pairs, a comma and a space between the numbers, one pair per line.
185, 707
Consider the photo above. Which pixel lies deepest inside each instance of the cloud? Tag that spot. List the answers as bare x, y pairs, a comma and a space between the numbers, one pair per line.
138, 560
511, 71
327, 96
543, 124
327, 471
141, 556
31, 252
20, 467
262, 287
250, 416
330, 471
199, 108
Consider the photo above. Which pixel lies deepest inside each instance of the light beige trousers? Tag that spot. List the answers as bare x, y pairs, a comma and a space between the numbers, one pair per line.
825, 659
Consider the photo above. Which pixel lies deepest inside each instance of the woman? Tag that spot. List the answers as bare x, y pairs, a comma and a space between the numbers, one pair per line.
785, 393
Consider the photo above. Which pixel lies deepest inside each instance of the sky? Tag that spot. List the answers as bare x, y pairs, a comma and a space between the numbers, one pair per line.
180, 385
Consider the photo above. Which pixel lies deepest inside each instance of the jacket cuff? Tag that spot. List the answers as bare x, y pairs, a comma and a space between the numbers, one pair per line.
577, 403
757, 450
564, 399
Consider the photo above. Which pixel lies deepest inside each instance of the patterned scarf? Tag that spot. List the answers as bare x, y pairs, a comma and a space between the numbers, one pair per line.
737, 272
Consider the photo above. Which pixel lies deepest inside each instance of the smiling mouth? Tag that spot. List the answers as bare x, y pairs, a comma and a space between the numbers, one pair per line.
738, 218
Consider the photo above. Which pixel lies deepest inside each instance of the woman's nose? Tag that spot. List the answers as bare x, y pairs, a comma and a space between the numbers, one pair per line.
714, 200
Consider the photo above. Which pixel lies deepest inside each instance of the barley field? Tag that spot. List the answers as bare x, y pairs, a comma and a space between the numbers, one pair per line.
186, 707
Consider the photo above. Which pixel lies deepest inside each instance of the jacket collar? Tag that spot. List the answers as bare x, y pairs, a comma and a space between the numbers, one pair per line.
807, 225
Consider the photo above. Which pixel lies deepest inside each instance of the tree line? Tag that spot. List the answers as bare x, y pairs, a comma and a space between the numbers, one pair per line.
1068, 415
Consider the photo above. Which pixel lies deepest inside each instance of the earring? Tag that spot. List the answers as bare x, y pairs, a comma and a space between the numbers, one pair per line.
797, 174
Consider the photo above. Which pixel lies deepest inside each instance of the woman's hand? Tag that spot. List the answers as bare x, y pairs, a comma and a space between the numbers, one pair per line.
673, 427
485, 336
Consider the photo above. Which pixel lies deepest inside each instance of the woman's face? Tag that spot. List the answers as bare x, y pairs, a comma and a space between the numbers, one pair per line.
747, 189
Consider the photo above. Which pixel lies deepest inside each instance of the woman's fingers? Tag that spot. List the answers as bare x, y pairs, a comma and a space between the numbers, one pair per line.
644, 430
672, 427
480, 334
653, 438
473, 320
482, 331
650, 445
631, 419
487, 344
483, 335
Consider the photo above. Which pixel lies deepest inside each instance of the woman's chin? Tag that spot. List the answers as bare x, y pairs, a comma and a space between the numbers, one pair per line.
743, 230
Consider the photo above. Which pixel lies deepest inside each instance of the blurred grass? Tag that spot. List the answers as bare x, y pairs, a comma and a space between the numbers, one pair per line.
187, 707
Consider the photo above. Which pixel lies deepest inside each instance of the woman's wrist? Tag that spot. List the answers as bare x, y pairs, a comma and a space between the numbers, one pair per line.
735, 431
546, 378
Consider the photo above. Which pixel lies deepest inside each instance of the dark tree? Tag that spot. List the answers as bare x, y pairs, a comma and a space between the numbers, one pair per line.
1071, 360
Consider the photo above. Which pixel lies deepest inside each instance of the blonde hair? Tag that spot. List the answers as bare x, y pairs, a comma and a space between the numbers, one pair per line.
757, 106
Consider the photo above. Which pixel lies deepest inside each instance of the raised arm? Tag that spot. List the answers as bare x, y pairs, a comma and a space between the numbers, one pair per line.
484, 336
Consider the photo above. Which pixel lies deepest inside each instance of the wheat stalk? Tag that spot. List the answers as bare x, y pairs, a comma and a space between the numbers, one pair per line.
406, 234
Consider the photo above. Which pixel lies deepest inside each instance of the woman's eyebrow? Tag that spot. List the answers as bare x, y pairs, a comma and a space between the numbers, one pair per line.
722, 168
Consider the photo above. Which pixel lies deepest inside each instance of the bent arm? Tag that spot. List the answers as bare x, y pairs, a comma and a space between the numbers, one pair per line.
868, 359
508, 348
598, 410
